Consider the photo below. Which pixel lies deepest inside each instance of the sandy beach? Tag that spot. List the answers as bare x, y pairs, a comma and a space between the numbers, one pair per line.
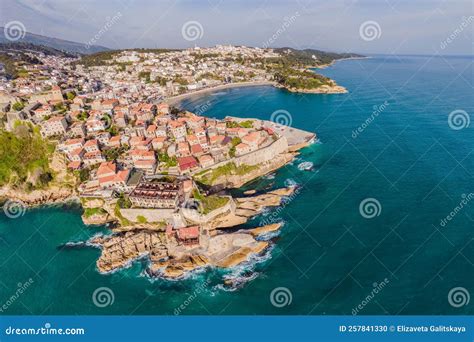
176, 99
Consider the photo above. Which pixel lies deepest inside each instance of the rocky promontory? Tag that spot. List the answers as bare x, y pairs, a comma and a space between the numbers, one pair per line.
331, 88
248, 207
171, 259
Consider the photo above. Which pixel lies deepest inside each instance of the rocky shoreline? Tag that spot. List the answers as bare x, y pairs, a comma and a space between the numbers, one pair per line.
170, 259
324, 89
49, 196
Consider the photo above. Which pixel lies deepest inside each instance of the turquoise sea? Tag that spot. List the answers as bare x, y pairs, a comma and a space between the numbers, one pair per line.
410, 161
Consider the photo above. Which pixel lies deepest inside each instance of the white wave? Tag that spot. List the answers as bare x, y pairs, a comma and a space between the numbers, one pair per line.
86, 243
270, 176
268, 236
306, 166
129, 263
194, 274
290, 183
245, 272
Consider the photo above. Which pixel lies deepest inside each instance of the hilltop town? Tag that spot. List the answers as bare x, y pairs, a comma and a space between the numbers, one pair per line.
107, 133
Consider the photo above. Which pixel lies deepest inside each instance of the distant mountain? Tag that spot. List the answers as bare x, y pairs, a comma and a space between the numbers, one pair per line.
23, 47
56, 43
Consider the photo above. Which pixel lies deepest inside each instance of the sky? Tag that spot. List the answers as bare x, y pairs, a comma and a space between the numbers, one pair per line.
363, 26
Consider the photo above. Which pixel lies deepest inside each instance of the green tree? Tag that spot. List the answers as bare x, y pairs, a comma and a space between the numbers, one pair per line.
70, 96
18, 106
84, 174
141, 219
23, 152
124, 202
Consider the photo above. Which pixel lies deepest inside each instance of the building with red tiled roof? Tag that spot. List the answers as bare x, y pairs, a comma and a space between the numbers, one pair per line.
187, 163
196, 150
92, 158
57, 125
206, 160
106, 169
74, 165
253, 140
163, 108
114, 141
91, 146
242, 148
158, 143
188, 235
183, 149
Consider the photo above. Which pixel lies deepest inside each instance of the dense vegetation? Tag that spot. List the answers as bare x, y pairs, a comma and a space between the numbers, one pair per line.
229, 169
311, 56
9, 66
98, 59
169, 161
24, 158
243, 124
209, 203
290, 69
292, 78
22, 47
105, 57
88, 212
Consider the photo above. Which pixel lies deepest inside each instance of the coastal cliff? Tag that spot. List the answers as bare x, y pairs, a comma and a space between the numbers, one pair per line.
245, 174
39, 197
60, 189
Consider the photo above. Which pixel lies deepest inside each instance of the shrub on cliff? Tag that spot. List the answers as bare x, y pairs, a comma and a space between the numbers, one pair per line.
24, 158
